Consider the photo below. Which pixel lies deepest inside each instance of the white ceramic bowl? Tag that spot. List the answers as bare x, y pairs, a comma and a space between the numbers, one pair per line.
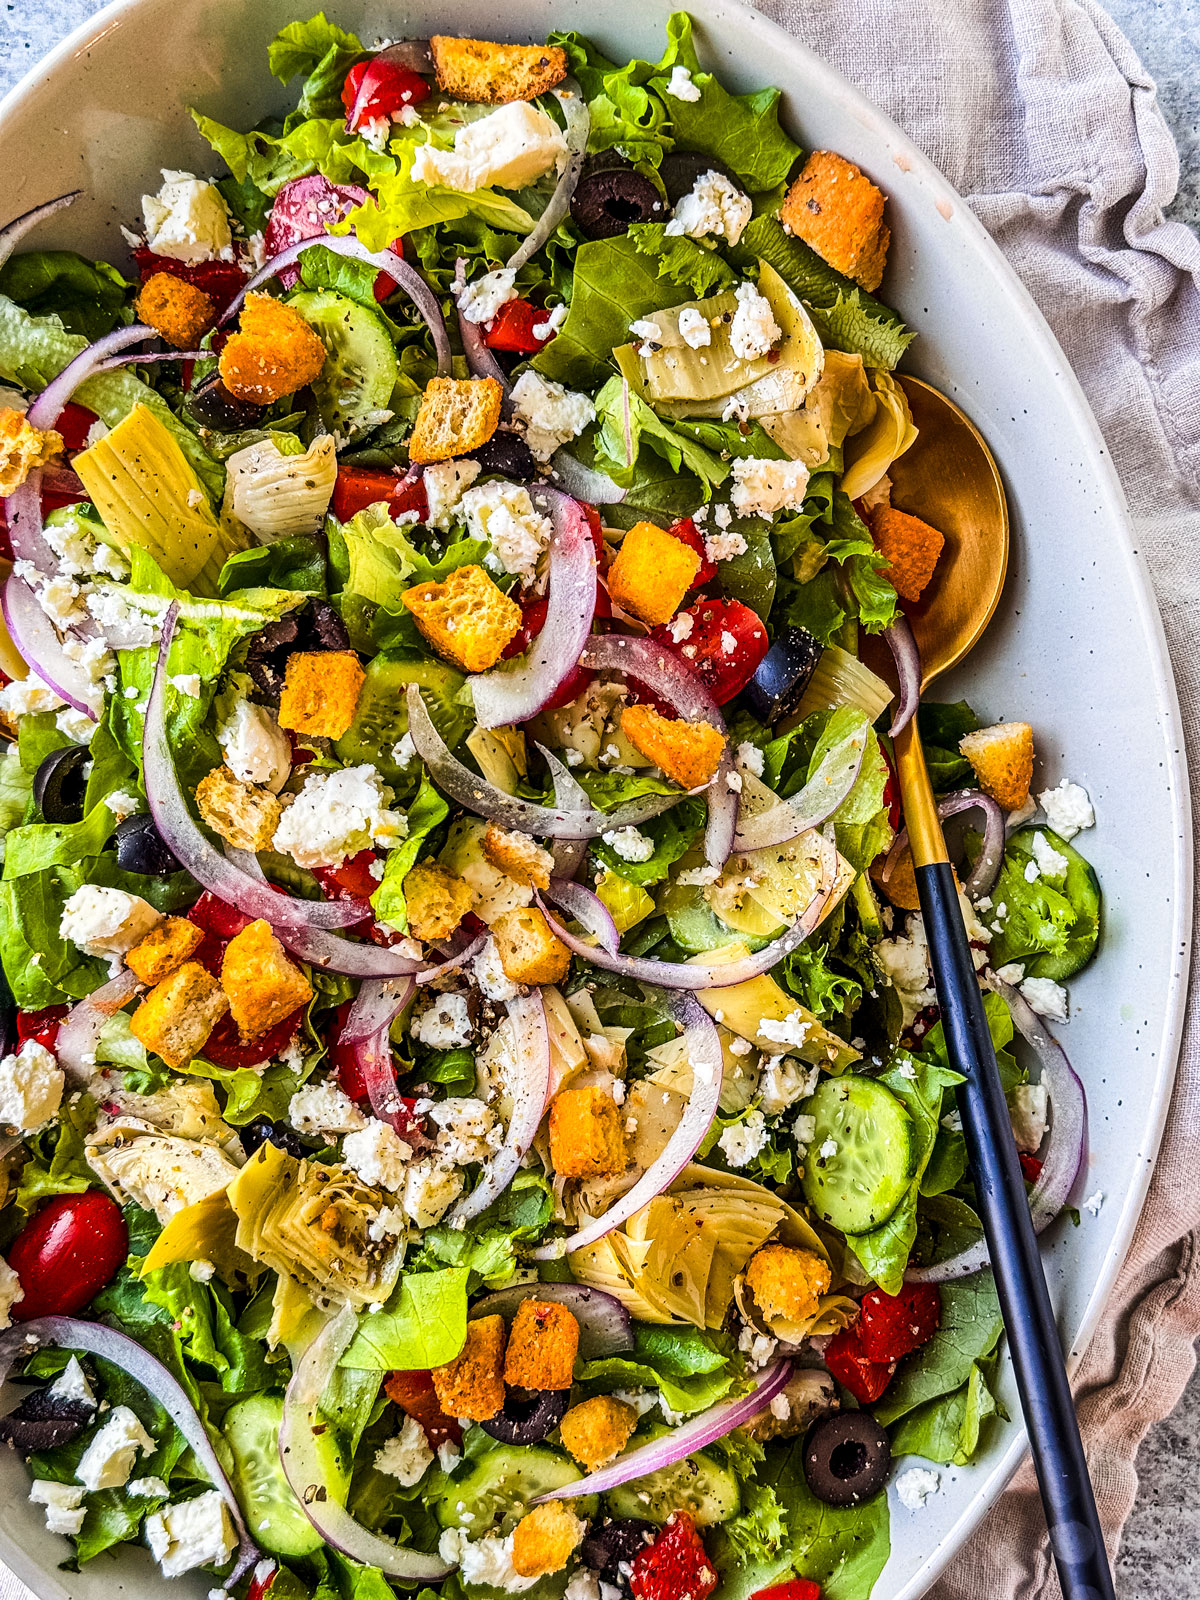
1076, 647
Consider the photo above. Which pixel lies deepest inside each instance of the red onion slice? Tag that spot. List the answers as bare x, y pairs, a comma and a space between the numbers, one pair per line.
476, 794
605, 1326
304, 1463
400, 271
75, 1046
210, 868
587, 909
529, 1093
69, 1333
36, 637
510, 695
903, 645
414, 54
705, 1058
681, 1442
569, 854
13, 232
1066, 1151
991, 852
820, 797
454, 962
689, 975
481, 360
584, 483
579, 125
368, 1026
720, 830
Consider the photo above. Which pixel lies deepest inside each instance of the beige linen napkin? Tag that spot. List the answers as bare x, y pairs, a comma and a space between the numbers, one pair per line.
1040, 113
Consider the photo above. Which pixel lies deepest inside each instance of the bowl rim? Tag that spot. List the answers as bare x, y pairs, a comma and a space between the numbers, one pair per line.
715, 16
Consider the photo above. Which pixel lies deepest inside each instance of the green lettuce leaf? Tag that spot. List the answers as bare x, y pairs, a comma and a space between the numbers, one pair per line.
623, 112
614, 284
942, 726
296, 563
970, 1330
16, 792
684, 261
424, 1324
861, 821
427, 811
381, 562
57, 1164
269, 160
402, 203
88, 297
324, 53
673, 834
1051, 924
618, 445
203, 1316
948, 1430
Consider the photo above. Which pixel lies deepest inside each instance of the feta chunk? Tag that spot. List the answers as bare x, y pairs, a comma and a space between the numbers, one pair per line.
106, 922
712, 206
762, 488
64, 1505
255, 747
148, 1489
108, 1460
26, 697
904, 965
1048, 999
31, 1088
1068, 809
187, 220
507, 149
467, 1129
10, 1292
338, 814
754, 328
503, 514
480, 301
1051, 863
71, 1384
191, 1533
693, 328
378, 1154
743, 1140
750, 758
445, 1024
549, 413
485, 1561
1027, 1109
322, 1109
792, 1030
444, 483
430, 1189
783, 1082
915, 1486
407, 1457
494, 983
681, 87
629, 844
724, 546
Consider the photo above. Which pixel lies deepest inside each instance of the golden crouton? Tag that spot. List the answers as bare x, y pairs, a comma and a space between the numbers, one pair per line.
546, 1539
912, 547
456, 415
274, 352
177, 1016
785, 1282
263, 985
436, 900
587, 1134
901, 885
164, 948
177, 309
475, 69
1002, 757
529, 950
542, 1345
472, 1385
651, 573
244, 814
320, 692
687, 752
23, 448
598, 1430
467, 619
519, 856
838, 212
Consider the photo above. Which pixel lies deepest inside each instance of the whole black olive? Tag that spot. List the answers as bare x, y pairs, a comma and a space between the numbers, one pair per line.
847, 1457
611, 1550
529, 1415
681, 168
142, 849
783, 675
45, 1420
609, 198
508, 454
60, 783
263, 1131
212, 406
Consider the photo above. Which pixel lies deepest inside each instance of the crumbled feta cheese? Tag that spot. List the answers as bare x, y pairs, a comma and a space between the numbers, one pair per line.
649, 333
549, 413
59, 599
680, 85
323, 1108
722, 515
713, 206
761, 488
467, 1129
793, 1029
480, 301
445, 1024
828, 1150
445, 483
255, 747
337, 815
148, 1489
694, 328
80, 552
27, 697
904, 965
750, 759
187, 683
106, 922
108, 1460
783, 1082
507, 149
1051, 863
1068, 809
77, 725
733, 780
65, 1510
503, 514
187, 220
584, 1584
1013, 972
680, 627
126, 623
759, 1347
485, 1561
629, 844
698, 877
71, 1384
1093, 1203
724, 546
192, 1533
743, 1140
31, 1088
201, 1270
551, 323
10, 1292
1027, 1108
493, 981
430, 1188
404, 753
915, 1486
378, 1154
781, 1407
1048, 999
407, 1457
805, 1128
754, 328
448, 1454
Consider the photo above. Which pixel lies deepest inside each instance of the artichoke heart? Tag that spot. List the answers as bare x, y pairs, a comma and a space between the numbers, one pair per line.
313, 1223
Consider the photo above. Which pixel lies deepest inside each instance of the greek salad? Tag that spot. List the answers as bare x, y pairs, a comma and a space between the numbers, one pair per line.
473, 1107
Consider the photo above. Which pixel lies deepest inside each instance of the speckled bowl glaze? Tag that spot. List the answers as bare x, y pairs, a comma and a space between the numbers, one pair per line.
1076, 647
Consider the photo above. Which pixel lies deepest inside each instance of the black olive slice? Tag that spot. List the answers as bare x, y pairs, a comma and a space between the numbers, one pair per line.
783, 675
610, 1550
263, 1131
847, 1457
316, 626
212, 405
507, 454
529, 1415
608, 199
61, 783
44, 1420
681, 168
142, 849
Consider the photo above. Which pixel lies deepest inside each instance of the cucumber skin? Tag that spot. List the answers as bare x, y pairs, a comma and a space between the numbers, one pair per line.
708, 1492
253, 1438
820, 1183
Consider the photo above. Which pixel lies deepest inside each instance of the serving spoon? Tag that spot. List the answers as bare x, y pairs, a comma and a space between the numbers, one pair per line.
950, 479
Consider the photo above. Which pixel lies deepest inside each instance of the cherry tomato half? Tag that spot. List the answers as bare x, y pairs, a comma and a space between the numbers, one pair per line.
512, 328
390, 87
853, 1368
74, 422
892, 1325
792, 1589
67, 1253
533, 620
688, 533
224, 1044
414, 1393
724, 647
359, 487
216, 917
220, 280
41, 1025
1031, 1167
353, 880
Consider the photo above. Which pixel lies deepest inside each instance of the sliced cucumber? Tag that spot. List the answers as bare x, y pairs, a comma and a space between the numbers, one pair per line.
698, 1484
501, 1486
858, 1183
360, 368
275, 1517
381, 719
695, 927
